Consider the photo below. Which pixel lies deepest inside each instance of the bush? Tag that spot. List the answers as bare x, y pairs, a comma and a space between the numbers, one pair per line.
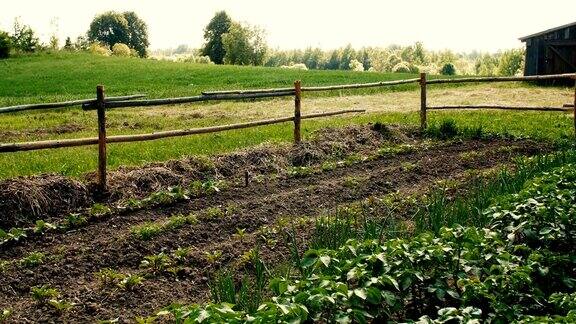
120, 49
401, 67
297, 66
448, 69
99, 49
5, 45
356, 65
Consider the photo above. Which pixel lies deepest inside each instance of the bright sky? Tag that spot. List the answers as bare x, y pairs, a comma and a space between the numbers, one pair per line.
460, 25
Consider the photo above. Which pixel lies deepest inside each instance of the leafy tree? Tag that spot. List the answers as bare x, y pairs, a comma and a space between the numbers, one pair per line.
448, 69
112, 27
334, 61
5, 45
68, 44
346, 57
244, 45
109, 28
81, 44
214, 47
511, 62
486, 65
54, 42
419, 54
24, 39
137, 33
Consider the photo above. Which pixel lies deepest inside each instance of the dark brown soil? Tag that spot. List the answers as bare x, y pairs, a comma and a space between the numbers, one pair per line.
24, 200
74, 257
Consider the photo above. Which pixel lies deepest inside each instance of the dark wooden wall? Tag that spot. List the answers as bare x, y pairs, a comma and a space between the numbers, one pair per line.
551, 53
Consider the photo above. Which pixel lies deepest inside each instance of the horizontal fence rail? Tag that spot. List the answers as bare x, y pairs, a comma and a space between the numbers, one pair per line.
40, 145
65, 103
360, 85
499, 107
504, 79
182, 100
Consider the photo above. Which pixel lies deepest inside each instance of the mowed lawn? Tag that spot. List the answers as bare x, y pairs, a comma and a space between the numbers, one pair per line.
66, 76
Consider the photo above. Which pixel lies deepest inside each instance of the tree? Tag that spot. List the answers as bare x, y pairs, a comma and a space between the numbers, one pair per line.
448, 69
511, 62
24, 39
214, 47
244, 45
68, 44
112, 27
5, 45
137, 33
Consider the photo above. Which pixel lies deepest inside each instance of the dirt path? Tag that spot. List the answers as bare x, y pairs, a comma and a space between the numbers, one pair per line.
72, 258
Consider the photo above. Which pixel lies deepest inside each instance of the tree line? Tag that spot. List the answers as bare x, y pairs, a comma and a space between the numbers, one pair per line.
231, 42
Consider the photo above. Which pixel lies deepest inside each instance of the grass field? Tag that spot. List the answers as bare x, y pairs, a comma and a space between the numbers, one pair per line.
65, 76
61, 76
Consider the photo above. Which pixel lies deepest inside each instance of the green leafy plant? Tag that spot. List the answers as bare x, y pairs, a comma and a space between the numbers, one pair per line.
33, 259
42, 294
41, 227
131, 282
75, 220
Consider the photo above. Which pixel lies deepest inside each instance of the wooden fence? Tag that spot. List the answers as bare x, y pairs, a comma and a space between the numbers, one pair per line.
101, 103
424, 82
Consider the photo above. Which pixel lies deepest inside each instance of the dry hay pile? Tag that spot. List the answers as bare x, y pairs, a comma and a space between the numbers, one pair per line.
25, 199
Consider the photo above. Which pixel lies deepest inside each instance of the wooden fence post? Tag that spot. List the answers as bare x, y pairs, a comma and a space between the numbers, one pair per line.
423, 122
101, 107
297, 114
574, 105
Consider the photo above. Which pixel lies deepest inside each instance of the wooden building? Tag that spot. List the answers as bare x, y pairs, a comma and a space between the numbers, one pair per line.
552, 51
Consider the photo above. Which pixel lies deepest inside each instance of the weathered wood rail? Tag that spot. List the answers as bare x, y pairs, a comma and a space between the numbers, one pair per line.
101, 103
424, 107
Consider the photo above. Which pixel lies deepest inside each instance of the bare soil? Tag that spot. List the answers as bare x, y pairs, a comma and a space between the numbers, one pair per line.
73, 257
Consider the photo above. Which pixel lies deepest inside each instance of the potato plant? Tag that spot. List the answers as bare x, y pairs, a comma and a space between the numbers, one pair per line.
518, 268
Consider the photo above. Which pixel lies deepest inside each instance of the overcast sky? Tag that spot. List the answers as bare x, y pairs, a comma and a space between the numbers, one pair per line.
460, 25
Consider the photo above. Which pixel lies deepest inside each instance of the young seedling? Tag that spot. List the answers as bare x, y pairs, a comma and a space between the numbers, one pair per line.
99, 210
181, 254
146, 231
109, 277
214, 256
240, 234
43, 293
5, 314
130, 282
33, 259
214, 212
157, 263
42, 226
60, 305
75, 220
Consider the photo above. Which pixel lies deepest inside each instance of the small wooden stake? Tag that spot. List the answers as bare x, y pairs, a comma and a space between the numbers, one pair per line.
297, 114
246, 178
101, 107
423, 123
